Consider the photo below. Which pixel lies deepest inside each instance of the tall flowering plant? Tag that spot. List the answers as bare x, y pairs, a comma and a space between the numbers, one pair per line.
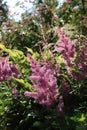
44, 81
66, 48
45, 75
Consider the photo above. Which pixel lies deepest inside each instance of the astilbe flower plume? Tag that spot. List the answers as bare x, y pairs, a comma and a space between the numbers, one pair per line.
7, 70
66, 48
81, 65
44, 81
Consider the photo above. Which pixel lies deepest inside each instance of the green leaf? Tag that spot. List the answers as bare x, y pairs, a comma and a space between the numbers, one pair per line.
59, 59
2, 46
82, 118
47, 54
78, 119
30, 50
25, 84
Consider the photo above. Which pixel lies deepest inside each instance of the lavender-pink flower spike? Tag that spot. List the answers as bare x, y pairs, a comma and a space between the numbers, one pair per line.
44, 81
33, 63
7, 70
66, 47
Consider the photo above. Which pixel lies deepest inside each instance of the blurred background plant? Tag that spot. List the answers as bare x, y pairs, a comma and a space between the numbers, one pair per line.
3, 12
